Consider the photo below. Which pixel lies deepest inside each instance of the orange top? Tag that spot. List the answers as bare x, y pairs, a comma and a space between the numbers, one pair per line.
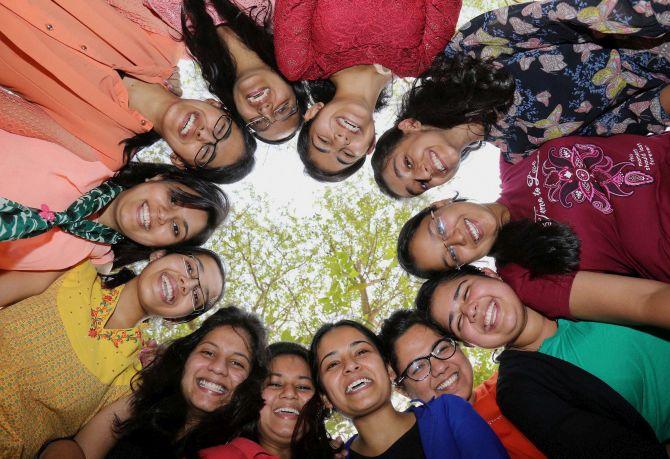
66, 55
516, 443
34, 172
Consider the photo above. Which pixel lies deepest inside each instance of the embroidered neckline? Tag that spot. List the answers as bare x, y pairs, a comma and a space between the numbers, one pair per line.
99, 316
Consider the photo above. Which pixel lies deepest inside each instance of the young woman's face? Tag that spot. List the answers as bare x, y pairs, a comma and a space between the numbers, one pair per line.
455, 234
149, 215
287, 389
201, 134
175, 285
424, 158
352, 372
451, 376
482, 311
263, 93
342, 133
218, 364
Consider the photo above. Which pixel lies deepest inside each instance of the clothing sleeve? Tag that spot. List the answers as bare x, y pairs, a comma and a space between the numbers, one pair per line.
474, 438
293, 39
441, 17
549, 295
222, 452
565, 418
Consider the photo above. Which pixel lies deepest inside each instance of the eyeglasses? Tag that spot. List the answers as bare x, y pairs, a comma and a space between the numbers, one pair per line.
442, 232
420, 368
281, 113
197, 295
221, 131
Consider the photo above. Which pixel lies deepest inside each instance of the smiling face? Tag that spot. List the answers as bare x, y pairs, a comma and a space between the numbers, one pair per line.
352, 372
425, 157
168, 286
188, 125
457, 233
451, 376
288, 388
263, 92
482, 311
218, 364
342, 133
149, 215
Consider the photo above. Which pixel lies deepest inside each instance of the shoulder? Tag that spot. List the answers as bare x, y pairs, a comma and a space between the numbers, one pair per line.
239, 448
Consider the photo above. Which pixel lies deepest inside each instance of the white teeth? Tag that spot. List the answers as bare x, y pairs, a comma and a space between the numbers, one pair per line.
287, 410
348, 125
168, 291
436, 162
259, 95
211, 386
448, 382
189, 123
145, 216
358, 384
474, 232
491, 314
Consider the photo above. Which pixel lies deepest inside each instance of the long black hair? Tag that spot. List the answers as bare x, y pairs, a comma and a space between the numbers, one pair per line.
541, 247
218, 64
159, 410
207, 197
125, 275
324, 91
452, 92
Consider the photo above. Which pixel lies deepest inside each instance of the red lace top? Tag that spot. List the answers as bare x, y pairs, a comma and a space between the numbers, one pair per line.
316, 38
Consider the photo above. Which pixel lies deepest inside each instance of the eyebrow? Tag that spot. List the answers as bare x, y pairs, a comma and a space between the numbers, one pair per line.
242, 355
185, 229
274, 373
343, 162
451, 314
352, 344
202, 270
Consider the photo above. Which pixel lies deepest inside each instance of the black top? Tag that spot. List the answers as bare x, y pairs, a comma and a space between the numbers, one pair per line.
406, 447
569, 413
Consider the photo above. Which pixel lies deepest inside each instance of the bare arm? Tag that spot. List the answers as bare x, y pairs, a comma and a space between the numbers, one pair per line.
97, 438
620, 299
19, 285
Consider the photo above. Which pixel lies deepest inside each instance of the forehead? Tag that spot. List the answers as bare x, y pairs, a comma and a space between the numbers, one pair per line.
427, 248
229, 339
228, 151
416, 342
398, 181
290, 365
338, 340
210, 275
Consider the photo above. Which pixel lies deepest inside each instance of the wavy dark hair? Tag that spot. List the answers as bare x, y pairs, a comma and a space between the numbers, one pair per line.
159, 411
542, 248
396, 325
218, 64
310, 437
451, 92
207, 197
125, 275
324, 91
328, 327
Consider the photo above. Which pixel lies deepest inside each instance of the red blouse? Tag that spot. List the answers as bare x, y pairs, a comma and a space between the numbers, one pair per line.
316, 38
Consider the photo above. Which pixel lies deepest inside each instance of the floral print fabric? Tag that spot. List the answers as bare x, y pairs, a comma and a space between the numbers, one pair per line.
581, 67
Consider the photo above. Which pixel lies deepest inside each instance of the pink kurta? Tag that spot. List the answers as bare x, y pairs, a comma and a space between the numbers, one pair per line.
35, 172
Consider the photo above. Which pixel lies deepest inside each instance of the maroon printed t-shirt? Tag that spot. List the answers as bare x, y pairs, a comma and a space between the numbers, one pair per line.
610, 190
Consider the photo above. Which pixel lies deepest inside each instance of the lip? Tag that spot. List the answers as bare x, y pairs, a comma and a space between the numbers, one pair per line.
209, 387
258, 96
449, 388
188, 125
165, 283
432, 157
139, 216
357, 386
491, 315
477, 227
347, 123
285, 414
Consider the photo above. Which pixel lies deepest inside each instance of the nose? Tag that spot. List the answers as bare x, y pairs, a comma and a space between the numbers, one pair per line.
267, 110
186, 284
341, 138
205, 135
351, 365
469, 309
422, 171
218, 366
288, 391
437, 366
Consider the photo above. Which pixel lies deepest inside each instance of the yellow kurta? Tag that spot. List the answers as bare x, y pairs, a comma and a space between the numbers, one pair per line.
58, 364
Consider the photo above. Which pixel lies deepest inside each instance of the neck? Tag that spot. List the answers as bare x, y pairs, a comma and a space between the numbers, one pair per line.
150, 99
372, 441
361, 83
108, 215
128, 311
536, 330
281, 451
245, 59
501, 213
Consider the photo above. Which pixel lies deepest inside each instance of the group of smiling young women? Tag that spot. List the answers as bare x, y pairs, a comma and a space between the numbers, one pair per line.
576, 95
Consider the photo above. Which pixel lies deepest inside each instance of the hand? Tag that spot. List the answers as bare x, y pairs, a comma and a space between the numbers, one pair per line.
148, 353
338, 446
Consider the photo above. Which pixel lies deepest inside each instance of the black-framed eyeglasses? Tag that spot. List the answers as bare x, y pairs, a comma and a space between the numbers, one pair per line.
442, 232
221, 131
420, 368
281, 113
197, 294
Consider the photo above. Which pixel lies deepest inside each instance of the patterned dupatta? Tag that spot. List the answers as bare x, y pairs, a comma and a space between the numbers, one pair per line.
20, 222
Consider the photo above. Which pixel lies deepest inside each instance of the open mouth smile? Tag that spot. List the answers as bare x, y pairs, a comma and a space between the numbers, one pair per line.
474, 231
144, 216
168, 288
258, 96
358, 385
210, 386
491, 316
188, 124
287, 412
448, 383
348, 124
438, 165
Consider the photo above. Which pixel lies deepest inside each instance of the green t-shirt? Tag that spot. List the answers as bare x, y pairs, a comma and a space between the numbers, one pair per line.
634, 363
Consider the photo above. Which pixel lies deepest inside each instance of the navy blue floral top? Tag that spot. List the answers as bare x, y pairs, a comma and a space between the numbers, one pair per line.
582, 67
